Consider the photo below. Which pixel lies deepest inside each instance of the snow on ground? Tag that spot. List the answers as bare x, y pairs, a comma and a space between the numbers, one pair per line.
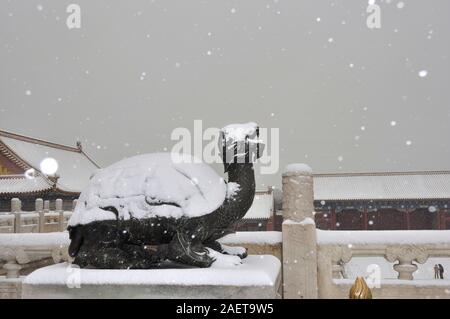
343, 237
254, 271
253, 237
35, 239
144, 186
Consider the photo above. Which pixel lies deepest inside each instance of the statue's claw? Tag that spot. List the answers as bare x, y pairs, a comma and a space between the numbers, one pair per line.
182, 250
241, 252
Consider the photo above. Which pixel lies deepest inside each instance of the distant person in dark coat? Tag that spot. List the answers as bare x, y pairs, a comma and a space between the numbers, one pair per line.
436, 272
441, 271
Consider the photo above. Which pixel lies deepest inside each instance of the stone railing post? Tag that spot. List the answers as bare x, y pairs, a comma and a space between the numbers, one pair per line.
16, 209
46, 211
39, 206
60, 211
299, 234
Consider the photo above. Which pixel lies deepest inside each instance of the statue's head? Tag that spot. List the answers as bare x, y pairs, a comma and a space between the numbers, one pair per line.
240, 143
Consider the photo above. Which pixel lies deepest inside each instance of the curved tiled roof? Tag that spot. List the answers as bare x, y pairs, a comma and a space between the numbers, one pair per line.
382, 186
74, 165
19, 184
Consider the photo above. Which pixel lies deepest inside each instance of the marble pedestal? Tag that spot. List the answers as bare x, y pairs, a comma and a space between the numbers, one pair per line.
258, 277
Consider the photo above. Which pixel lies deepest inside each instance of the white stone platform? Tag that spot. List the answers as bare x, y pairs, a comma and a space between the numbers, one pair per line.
258, 277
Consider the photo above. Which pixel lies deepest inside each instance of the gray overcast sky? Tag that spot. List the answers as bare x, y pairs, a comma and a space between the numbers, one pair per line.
138, 69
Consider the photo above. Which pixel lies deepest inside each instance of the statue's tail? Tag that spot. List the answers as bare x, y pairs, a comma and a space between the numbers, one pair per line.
76, 239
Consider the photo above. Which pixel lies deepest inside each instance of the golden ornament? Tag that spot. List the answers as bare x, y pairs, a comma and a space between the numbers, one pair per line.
360, 290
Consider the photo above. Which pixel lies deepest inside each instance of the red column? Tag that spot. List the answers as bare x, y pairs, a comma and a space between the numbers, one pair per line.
408, 220
439, 219
333, 219
365, 221
270, 222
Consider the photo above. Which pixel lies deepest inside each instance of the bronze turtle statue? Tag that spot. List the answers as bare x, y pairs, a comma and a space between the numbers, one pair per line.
165, 210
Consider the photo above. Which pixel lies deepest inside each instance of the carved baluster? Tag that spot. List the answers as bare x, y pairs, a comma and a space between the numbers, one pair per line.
60, 211
339, 257
16, 208
40, 210
11, 266
46, 211
406, 255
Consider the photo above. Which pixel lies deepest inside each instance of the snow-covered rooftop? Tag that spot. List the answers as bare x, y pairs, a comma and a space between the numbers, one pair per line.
17, 184
262, 207
385, 186
74, 166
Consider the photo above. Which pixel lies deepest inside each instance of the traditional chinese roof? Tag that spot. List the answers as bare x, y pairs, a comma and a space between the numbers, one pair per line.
383, 186
19, 184
74, 165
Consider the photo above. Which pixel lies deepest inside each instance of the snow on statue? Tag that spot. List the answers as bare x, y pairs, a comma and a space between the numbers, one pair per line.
151, 211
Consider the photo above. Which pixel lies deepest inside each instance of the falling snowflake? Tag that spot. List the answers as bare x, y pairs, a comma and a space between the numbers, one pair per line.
28, 92
340, 158
401, 5
49, 166
408, 142
432, 209
393, 123
423, 73
233, 10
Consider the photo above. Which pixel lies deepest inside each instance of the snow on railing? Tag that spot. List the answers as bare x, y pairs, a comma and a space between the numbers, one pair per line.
314, 261
41, 220
404, 250
19, 251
